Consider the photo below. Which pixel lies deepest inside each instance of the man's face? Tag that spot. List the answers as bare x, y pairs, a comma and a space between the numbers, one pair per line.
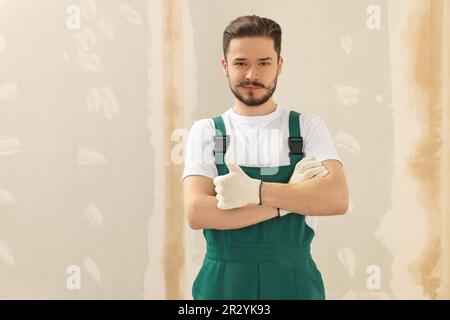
252, 69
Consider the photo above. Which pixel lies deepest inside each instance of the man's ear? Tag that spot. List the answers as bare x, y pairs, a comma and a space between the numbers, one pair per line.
225, 67
280, 65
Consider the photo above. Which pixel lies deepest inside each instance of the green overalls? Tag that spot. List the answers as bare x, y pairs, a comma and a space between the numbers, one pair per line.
269, 260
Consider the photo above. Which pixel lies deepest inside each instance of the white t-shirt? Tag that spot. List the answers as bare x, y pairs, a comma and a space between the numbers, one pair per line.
256, 141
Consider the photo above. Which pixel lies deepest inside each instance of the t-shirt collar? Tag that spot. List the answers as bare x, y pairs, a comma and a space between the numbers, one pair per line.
255, 119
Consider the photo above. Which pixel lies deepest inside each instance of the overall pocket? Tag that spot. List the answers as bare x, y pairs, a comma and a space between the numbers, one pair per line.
309, 281
208, 284
199, 278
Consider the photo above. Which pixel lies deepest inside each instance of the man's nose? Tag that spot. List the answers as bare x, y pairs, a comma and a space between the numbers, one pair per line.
251, 74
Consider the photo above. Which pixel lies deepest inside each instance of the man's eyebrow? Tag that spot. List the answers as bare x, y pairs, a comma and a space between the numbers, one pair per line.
243, 59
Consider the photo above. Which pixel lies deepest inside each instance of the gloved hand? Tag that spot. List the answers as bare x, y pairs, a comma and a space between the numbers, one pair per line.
305, 169
235, 189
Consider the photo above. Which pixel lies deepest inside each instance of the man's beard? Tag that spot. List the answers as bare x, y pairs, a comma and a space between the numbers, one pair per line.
251, 100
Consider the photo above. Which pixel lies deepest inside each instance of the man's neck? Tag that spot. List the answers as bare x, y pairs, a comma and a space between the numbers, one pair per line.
261, 110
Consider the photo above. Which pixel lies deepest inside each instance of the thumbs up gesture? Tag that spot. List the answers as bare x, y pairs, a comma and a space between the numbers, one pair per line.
235, 189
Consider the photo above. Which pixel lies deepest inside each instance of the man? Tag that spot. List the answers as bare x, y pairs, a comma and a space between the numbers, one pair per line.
258, 217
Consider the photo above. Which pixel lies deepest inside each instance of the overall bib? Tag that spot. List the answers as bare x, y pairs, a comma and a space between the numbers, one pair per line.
269, 260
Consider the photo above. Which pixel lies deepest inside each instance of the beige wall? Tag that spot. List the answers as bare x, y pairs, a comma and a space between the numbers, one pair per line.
93, 121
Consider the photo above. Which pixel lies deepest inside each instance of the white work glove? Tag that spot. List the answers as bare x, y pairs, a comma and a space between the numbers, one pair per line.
235, 189
305, 169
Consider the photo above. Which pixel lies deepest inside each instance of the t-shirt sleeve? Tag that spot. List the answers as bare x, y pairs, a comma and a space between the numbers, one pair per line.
319, 142
198, 153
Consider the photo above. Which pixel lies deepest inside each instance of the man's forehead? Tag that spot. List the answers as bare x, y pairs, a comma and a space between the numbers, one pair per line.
252, 48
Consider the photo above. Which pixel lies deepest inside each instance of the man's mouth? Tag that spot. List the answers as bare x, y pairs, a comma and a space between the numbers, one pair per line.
252, 88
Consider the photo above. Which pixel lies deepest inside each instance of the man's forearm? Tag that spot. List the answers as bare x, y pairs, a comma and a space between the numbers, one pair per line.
315, 197
206, 215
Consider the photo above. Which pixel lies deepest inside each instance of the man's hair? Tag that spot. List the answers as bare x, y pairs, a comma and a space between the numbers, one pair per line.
252, 26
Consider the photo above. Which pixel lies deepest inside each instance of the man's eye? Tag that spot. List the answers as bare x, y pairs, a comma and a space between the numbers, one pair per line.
243, 63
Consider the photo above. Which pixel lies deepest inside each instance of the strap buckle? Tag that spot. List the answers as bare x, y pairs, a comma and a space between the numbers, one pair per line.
221, 144
295, 146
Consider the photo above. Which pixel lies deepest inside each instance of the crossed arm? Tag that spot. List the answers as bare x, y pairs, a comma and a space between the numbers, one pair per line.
318, 196
200, 207
322, 196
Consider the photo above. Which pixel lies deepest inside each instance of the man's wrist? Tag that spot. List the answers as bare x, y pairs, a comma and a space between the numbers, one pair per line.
265, 194
260, 197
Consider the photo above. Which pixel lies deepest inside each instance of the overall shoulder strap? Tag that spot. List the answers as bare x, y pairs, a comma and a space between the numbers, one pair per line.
221, 141
295, 140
